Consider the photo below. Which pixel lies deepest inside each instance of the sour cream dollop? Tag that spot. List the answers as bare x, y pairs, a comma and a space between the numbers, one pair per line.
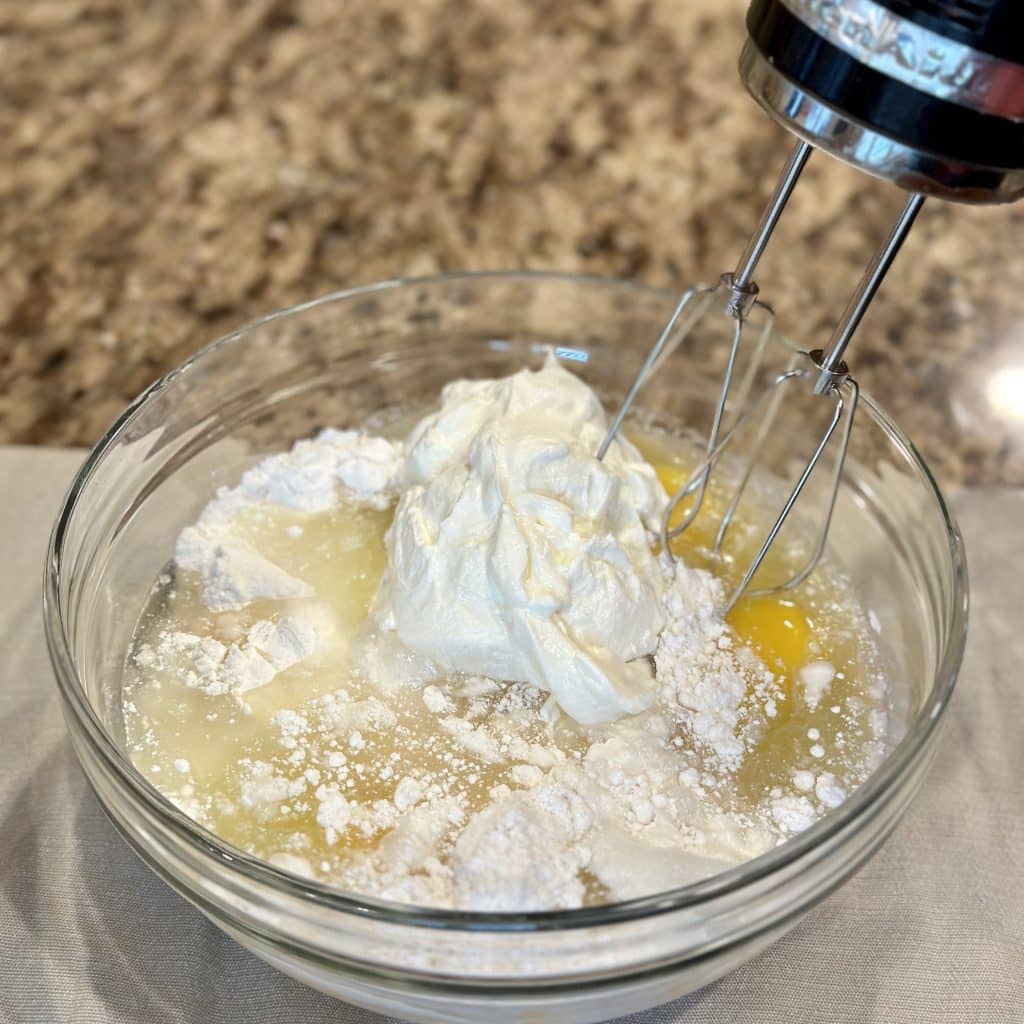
515, 554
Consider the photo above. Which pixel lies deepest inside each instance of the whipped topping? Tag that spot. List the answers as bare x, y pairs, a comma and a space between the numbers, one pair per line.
516, 554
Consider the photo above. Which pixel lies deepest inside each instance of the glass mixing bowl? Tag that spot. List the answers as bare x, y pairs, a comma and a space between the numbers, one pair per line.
335, 362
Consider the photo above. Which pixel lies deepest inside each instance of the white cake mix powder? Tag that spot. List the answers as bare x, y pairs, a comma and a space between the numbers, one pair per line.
539, 713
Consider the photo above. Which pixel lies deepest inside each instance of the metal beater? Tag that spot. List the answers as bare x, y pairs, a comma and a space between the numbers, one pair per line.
928, 94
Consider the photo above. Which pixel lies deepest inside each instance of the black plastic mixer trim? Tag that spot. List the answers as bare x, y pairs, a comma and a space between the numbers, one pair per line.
890, 107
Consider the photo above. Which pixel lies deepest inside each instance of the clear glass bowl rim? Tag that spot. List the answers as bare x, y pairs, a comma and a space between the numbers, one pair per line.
260, 872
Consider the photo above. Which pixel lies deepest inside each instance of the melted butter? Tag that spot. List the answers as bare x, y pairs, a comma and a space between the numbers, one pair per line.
340, 553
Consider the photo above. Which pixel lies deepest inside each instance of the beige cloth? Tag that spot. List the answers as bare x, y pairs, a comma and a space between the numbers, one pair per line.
931, 930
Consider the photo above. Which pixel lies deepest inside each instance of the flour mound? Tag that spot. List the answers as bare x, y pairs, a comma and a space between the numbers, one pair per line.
205, 663
701, 669
315, 476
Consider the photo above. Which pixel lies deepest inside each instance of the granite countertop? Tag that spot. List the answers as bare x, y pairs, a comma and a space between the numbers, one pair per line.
169, 176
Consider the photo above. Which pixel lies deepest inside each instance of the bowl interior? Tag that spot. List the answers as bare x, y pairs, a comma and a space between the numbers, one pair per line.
378, 351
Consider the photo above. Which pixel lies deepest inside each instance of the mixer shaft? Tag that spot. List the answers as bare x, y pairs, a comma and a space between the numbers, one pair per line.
823, 368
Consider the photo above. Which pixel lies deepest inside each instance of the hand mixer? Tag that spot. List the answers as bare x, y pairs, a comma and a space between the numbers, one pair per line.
928, 94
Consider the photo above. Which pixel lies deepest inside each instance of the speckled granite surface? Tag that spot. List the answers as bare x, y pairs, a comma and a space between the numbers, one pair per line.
171, 171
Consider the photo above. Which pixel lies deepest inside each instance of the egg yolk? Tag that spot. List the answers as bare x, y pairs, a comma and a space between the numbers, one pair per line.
775, 628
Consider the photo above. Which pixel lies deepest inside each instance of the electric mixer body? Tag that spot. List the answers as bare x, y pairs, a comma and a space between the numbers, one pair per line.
927, 94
